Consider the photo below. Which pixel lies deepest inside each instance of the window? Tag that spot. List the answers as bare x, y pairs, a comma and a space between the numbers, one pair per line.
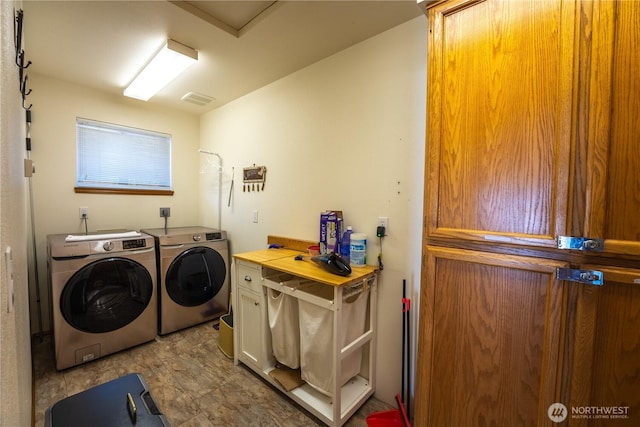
119, 159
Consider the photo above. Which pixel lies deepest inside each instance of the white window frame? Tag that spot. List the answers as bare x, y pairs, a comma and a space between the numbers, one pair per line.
113, 158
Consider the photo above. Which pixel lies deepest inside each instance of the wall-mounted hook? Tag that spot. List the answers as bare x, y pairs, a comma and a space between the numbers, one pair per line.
20, 60
22, 85
23, 90
25, 107
17, 32
21, 69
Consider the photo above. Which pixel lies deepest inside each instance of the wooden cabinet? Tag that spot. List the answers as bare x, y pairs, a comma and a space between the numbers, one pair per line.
490, 339
532, 134
532, 123
499, 119
603, 346
607, 184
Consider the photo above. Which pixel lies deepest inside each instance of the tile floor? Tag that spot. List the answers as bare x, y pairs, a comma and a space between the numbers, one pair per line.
192, 381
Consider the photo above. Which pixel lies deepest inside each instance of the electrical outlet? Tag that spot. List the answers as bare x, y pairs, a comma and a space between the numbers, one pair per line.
84, 213
383, 221
165, 212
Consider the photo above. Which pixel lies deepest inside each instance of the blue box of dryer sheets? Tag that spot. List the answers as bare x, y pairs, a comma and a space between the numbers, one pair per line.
330, 231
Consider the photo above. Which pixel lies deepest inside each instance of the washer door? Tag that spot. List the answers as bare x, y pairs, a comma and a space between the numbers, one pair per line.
195, 276
106, 295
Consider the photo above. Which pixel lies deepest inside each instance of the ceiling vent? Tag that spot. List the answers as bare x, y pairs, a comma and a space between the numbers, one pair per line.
197, 98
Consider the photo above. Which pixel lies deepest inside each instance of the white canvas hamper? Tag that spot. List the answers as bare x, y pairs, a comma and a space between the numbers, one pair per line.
316, 338
285, 330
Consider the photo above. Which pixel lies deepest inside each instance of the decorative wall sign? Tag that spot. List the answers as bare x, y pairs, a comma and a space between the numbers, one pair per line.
253, 178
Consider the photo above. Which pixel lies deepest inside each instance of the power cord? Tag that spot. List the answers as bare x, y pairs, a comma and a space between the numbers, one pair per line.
380, 233
86, 226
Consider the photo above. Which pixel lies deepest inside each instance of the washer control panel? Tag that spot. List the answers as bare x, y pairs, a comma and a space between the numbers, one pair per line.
134, 244
120, 245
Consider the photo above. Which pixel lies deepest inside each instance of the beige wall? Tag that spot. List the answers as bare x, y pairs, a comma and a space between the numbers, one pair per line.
346, 133
56, 106
15, 350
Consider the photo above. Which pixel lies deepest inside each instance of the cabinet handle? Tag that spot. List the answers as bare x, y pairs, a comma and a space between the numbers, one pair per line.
256, 303
580, 243
247, 278
588, 277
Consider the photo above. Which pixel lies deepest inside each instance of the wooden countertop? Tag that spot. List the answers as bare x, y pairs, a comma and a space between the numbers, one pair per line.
284, 260
264, 255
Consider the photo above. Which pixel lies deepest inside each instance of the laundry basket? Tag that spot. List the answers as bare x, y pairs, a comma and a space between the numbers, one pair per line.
282, 311
285, 331
225, 335
316, 340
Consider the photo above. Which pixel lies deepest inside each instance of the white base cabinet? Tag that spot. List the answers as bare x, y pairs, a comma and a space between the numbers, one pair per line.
252, 334
250, 308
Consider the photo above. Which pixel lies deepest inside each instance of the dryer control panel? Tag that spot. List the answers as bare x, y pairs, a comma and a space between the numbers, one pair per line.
212, 236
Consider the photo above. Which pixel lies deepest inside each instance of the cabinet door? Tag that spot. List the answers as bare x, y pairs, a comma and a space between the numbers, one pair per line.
499, 120
609, 151
603, 369
250, 339
490, 334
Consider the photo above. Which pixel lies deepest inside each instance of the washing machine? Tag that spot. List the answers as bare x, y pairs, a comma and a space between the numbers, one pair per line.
193, 276
102, 292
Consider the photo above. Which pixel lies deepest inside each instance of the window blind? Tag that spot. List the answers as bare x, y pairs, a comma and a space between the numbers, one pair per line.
119, 157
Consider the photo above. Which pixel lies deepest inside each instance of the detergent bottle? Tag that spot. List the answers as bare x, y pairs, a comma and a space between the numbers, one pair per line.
345, 244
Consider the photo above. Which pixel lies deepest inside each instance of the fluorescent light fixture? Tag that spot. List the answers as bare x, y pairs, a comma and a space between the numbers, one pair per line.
165, 66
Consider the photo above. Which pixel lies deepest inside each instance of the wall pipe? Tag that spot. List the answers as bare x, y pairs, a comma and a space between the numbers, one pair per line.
29, 175
211, 153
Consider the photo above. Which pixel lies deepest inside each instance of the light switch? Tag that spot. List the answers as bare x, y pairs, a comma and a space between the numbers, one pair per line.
8, 256
255, 216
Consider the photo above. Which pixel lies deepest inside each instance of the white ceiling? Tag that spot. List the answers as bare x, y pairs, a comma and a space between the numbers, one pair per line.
242, 45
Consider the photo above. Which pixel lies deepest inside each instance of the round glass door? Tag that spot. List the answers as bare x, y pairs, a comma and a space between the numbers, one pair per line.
195, 276
106, 295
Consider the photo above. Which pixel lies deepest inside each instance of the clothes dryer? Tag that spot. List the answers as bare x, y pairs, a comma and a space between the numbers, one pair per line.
102, 292
193, 276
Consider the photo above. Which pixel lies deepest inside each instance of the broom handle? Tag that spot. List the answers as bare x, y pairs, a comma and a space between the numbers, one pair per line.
404, 321
408, 314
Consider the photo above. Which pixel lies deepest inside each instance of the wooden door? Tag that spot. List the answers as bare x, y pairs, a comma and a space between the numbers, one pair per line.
602, 373
499, 120
609, 130
490, 339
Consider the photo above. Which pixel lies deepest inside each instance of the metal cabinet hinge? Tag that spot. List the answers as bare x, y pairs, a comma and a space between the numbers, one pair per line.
588, 277
580, 243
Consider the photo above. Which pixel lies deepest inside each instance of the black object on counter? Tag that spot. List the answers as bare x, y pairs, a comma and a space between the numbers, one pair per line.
332, 263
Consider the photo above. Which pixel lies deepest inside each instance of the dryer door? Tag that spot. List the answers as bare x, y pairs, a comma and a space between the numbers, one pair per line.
106, 295
195, 276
